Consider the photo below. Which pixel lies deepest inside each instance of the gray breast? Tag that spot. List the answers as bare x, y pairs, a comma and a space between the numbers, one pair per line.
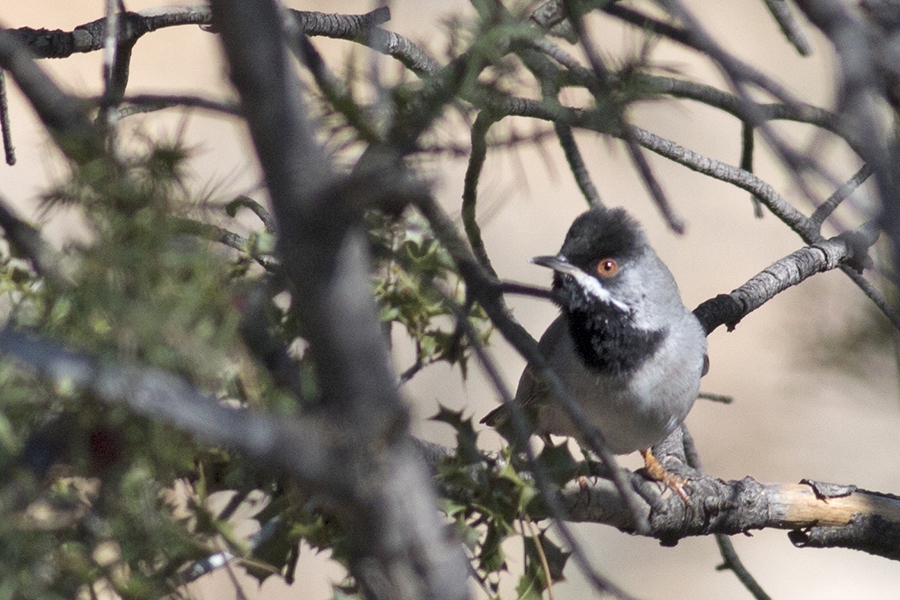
634, 410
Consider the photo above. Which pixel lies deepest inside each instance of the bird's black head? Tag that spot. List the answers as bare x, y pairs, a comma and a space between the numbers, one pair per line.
597, 286
602, 233
588, 269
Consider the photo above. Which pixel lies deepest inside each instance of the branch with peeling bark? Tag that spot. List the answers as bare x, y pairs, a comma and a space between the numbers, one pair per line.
816, 514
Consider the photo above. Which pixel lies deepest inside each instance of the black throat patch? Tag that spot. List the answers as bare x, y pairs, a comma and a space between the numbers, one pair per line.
608, 342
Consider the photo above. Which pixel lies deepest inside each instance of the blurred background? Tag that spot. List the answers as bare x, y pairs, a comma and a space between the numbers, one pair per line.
813, 373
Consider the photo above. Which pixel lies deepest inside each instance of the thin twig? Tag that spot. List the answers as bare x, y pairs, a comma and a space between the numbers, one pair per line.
512, 287
335, 90
874, 295
747, 161
576, 164
510, 140
545, 566
634, 151
789, 25
734, 175
151, 102
739, 75
483, 123
5, 129
256, 208
732, 562
824, 210
720, 398
226, 238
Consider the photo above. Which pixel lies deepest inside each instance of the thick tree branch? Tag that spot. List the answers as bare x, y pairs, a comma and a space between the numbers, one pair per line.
91, 37
816, 514
302, 446
399, 549
817, 517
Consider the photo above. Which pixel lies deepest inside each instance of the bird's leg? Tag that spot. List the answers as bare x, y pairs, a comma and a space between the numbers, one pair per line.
659, 473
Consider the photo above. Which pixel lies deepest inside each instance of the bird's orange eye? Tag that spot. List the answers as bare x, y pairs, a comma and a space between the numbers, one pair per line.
607, 267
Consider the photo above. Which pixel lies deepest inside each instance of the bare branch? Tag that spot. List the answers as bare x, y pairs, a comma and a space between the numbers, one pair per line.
256, 208
63, 115
142, 103
849, 249
226, 238
789, 25
816, 514
747, 145
483, 123
732, 562
576, 164
866, 59
780, 207
845, 518
824, 210
5, 129
29, 241
651, 184
91, 37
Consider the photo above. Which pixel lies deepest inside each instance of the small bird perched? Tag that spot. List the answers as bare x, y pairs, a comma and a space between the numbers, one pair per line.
625, 346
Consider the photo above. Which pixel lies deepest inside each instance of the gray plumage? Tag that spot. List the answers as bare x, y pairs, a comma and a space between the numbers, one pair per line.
624, 346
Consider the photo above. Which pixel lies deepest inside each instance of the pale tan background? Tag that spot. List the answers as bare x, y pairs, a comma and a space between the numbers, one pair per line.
792, 418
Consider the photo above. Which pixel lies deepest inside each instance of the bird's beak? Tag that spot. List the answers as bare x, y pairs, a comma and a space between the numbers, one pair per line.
557, 263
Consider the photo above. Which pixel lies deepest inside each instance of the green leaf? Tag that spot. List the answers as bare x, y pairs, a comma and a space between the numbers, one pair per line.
467, 451
559, 462
491, 558
274, 551
556, 557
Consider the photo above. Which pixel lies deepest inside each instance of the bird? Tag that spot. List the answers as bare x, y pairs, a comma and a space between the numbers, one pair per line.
624, 345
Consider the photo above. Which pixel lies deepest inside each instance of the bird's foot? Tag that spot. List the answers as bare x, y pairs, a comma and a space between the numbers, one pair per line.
657, 472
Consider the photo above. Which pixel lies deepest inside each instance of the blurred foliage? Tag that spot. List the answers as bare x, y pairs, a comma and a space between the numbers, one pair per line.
87, 489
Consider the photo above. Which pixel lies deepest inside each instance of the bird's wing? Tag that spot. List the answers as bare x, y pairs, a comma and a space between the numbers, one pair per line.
532, 387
